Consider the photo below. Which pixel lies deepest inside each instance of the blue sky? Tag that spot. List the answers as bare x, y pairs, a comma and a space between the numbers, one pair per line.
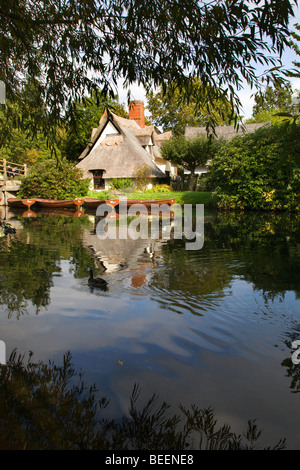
138, 93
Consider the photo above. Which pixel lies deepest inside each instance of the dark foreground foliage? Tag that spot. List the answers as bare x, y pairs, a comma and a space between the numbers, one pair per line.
46, 406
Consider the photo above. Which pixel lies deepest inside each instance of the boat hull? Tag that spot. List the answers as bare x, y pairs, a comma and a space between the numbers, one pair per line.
15, 202
55, 203
93, 203
149, 202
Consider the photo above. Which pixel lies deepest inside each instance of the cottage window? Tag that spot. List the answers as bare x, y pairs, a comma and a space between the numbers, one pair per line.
99, 182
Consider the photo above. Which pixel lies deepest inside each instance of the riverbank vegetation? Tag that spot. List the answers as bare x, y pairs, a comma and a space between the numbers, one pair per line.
259, 171
50, 179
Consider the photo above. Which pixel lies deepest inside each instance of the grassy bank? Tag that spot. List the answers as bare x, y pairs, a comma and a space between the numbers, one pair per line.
181, 197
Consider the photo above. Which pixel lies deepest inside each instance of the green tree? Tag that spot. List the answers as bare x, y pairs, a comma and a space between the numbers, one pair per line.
275, 100
86, 115
70, 47
278, 96
51, 180
22, 148
172, 110
294, 44
189, 153
258, 171
24, 127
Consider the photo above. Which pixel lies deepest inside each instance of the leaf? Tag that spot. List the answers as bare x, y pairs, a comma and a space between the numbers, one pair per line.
275, 68
284, 115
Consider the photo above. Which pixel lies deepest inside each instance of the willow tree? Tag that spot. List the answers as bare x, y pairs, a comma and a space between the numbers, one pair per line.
173, 109
71, 47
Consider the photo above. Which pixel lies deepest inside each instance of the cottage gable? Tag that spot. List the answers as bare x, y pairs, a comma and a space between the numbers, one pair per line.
110, 135
119, 147
112, 140
115, 151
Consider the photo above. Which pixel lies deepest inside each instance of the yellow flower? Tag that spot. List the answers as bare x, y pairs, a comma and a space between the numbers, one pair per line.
269, 196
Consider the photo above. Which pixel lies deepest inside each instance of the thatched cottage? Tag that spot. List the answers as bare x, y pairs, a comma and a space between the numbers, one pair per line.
221, 132
224, 132
120, 146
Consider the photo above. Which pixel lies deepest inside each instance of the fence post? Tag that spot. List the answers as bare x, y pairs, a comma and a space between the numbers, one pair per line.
25, 169
4, 172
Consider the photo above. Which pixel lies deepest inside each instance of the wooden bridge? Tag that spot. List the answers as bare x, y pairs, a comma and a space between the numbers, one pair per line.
10, 174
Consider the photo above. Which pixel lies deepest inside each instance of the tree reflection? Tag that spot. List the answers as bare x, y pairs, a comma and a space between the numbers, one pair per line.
259, 248
266, 246
26, 276
32, 257
50, 407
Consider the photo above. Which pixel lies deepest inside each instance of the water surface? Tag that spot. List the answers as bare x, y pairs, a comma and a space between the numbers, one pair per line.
212, 327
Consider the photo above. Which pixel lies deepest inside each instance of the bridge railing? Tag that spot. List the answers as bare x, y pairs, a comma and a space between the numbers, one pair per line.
10, 170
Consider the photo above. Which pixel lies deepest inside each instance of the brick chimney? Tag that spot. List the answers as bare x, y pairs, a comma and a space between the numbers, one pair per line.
136, 112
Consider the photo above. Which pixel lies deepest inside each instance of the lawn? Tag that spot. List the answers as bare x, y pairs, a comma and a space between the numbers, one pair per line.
181, 197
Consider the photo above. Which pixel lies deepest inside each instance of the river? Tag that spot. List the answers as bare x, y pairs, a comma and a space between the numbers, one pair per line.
212, 326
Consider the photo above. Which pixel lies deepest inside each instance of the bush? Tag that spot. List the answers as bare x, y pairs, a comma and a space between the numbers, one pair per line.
257, 171
120, 183
50, 179
142, 177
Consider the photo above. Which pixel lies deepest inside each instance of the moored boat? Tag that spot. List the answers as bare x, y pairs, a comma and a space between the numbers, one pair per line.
28, 202
78, 202
52, 203
93, 203
130, 202
149, 202
15, 202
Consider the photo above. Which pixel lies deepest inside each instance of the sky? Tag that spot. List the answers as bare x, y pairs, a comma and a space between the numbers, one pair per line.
245, 95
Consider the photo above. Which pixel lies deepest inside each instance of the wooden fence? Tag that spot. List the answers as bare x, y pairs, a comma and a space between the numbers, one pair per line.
11, 171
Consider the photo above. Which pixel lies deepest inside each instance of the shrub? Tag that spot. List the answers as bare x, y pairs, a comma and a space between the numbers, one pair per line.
120, 183
257, 171
50, 179
142, 177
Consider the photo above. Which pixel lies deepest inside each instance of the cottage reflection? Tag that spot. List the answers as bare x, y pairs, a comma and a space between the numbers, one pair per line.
135, 256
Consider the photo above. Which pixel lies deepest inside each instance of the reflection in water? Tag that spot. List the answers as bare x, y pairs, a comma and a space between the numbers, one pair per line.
50, 407
208, 325
31, 258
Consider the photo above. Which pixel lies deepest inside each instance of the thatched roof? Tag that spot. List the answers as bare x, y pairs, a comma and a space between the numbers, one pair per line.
118, 155
224, 132
159, 138
144, 134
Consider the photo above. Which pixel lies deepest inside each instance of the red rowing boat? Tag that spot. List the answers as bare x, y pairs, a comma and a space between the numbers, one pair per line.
52, 203
149, 202
15, 202
93, 203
